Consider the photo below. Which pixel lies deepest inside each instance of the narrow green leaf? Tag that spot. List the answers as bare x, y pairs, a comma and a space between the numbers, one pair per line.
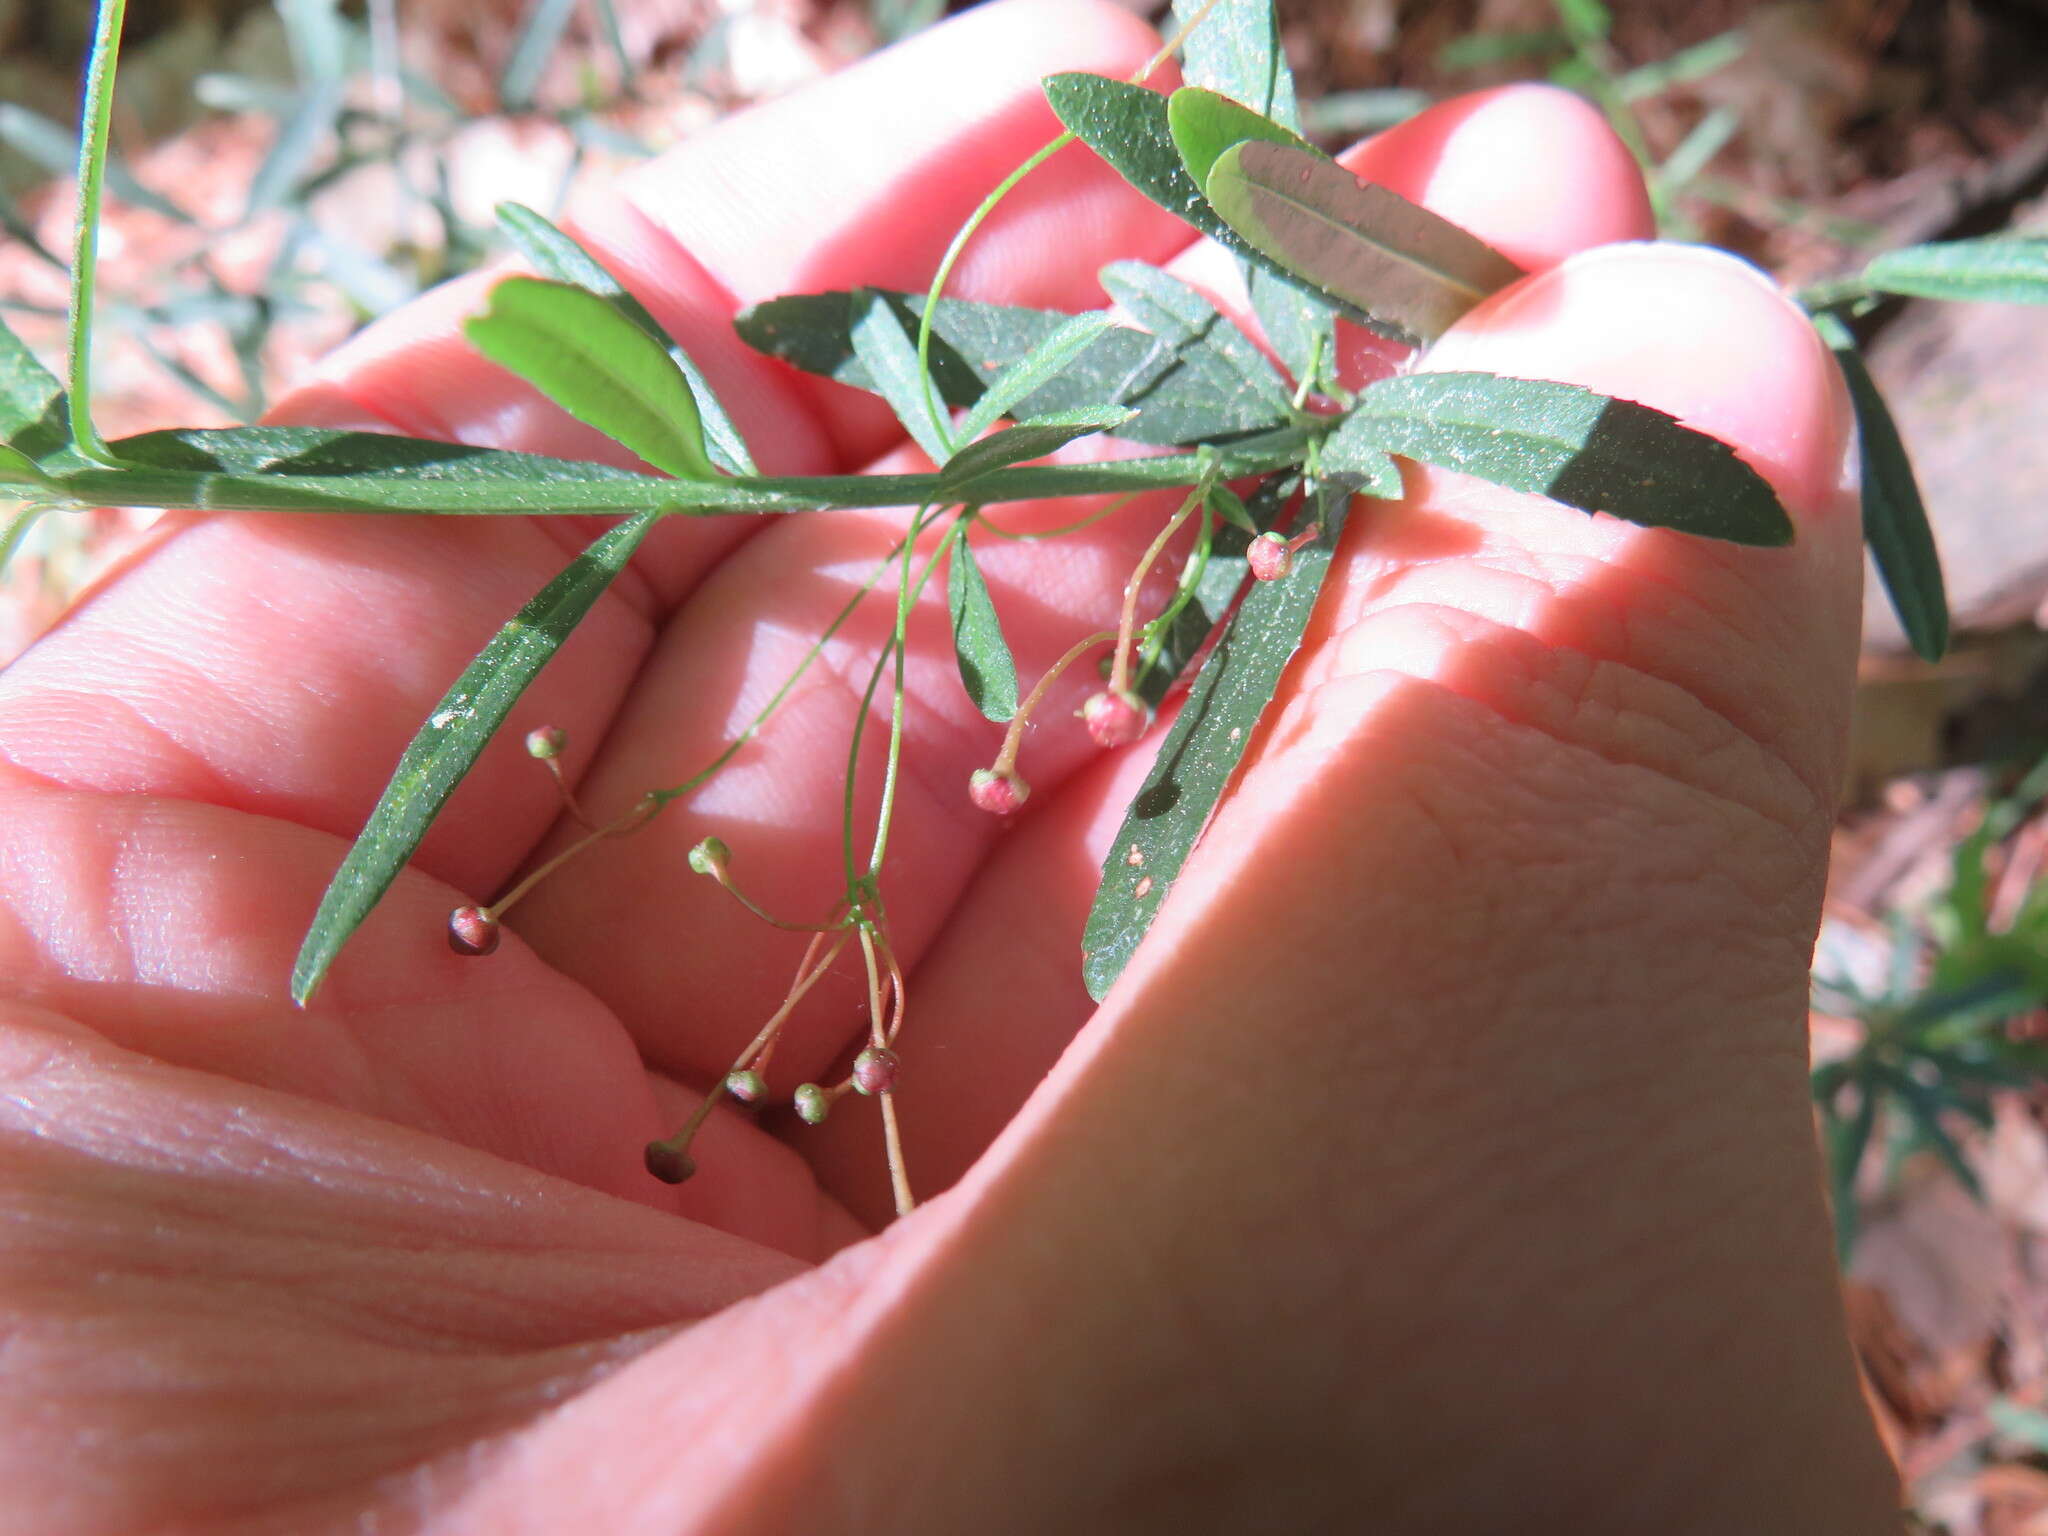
1683, 67
1895, 522
1406, 270
1846, 1141
552, 253
300, 137
986, 668
1204, 124
448, 744
579, 351
1202, 751
1354, 454
1032, 372
17, 468
1235, 49
52, 147
1572, 445
889, 357
31, 400
1925, 1109
1183, 319
2008, 269
539, 36
1190, 396
1032, 438
1229, 506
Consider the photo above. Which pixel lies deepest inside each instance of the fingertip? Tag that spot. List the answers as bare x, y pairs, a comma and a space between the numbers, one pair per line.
1684, 329
1533, 170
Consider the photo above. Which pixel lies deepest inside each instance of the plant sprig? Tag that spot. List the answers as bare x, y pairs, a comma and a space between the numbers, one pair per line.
988, 391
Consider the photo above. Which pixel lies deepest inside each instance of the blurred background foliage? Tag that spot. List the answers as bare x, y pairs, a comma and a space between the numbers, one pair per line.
291, 168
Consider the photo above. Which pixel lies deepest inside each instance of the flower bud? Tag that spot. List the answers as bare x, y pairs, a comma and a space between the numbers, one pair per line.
811, 1104
747, 1087
1115, 719
1000, 794
1269, 557
711, 857
472, 931
546, 741
668, 1162
874, 1069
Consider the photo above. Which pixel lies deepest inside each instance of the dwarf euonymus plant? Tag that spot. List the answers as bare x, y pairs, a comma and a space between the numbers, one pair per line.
1266, 457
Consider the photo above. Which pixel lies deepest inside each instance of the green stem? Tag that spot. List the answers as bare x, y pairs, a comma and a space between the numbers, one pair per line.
1154, 633
940, 423
92, 167
907, 594
15, 530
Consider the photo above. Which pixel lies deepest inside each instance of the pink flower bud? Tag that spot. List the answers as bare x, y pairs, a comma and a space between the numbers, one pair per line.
668, 1162
1000, 794
874, 1069
710, 857
472, 931
747, 1087
1269, 557
546, 741
1115, 719
811, 1104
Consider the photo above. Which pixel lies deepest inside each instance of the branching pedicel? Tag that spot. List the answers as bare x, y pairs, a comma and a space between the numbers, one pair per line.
1164, 369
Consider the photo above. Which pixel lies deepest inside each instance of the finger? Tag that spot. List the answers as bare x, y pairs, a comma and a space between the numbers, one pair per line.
1476, 1020
278, 665
1532, 170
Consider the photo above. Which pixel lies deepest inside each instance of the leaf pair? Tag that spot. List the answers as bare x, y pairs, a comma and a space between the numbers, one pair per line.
1259, 188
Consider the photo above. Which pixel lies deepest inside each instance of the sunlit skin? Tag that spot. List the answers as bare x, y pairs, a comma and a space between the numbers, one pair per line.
1442, 1163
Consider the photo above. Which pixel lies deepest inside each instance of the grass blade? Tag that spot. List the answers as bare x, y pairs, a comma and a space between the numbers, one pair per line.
448, 744
987, 670
551, 253
600, 367
546, 21
1578, 447
1407, 271
1201, 753
1895, 522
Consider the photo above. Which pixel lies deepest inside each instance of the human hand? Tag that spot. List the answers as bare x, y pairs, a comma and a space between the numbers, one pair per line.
1445, 1155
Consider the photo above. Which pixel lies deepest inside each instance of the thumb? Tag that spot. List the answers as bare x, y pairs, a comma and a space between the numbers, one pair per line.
1446, 1150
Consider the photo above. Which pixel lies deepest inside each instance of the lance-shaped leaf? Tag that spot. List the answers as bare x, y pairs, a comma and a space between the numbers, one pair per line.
888, 357
2010, 269
447, 745
579, 351
1127, 126
1406, 270
1578, 447
1204, 124
552, 253
1894, 517
1298, 324
1183, 319
1032, 372
986, 668
1033, 438
1201, 753
1234, 48
31, 400
1186, 396
1355, 456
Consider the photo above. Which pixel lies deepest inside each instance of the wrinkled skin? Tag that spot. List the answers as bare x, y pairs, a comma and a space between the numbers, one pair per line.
1442, 1162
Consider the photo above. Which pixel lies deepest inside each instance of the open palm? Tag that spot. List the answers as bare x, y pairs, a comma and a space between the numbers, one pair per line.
1471, 1036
